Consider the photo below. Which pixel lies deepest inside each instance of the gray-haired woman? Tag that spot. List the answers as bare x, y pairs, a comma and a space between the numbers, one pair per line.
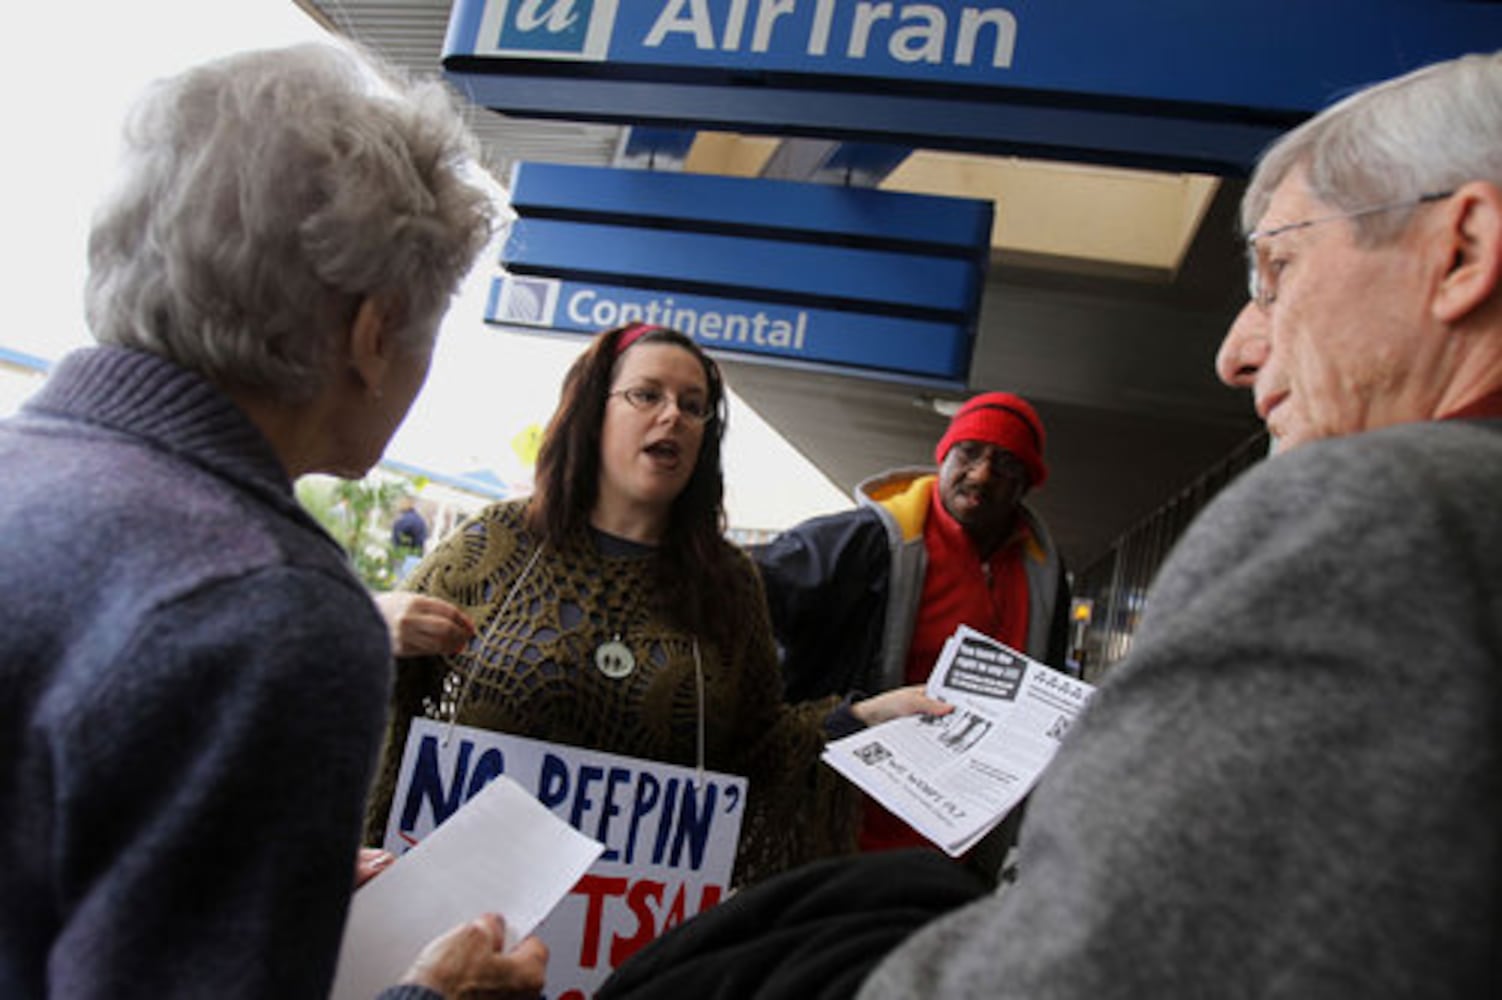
193, 705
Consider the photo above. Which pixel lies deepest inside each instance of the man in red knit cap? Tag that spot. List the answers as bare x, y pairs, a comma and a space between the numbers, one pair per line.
863, 600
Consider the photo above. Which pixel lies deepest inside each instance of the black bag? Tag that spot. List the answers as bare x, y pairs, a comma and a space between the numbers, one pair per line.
813, 933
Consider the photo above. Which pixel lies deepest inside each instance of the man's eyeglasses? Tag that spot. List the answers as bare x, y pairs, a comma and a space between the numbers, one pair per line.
1262, 279
650, 399
1002, 463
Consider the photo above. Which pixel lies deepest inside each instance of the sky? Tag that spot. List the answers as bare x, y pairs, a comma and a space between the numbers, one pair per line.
69, 71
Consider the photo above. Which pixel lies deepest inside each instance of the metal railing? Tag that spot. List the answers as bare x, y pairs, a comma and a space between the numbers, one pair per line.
1116, 585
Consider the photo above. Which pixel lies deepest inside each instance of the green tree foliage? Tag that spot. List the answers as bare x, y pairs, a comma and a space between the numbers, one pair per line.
358, 514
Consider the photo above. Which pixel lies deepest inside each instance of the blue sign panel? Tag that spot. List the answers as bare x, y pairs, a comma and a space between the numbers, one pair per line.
882, 346
1257, 65
1288, 54
890, 218
771, 268
878, 283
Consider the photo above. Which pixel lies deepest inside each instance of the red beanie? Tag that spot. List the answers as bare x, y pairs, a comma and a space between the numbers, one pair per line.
1007, 421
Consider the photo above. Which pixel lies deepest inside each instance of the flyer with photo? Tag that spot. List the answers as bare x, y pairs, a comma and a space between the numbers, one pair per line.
954, 777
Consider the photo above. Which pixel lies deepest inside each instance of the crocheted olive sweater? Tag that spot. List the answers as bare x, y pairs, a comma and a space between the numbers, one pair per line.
534, 675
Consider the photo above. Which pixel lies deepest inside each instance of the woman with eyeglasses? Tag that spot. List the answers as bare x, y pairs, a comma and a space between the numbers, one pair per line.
608, 611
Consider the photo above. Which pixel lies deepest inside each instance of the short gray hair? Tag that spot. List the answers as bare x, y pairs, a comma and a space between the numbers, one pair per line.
1430, 130
264, 195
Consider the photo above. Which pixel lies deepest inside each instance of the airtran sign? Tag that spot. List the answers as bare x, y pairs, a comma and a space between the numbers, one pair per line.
832, 36
1192, 84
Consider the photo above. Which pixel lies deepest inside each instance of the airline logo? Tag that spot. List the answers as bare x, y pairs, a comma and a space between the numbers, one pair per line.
527, 301
547, 29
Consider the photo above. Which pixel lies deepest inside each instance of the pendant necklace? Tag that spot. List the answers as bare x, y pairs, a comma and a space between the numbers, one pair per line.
613, 657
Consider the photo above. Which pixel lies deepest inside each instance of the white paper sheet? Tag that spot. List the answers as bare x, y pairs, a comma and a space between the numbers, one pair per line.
953, 778
503, 852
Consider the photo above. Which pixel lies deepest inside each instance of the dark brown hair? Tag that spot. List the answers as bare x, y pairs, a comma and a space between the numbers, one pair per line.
693, 560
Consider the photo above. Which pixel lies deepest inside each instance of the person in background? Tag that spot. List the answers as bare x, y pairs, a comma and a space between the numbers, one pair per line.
409, 532
1292, 785
194, 680
865, 599
607, 611
409, 536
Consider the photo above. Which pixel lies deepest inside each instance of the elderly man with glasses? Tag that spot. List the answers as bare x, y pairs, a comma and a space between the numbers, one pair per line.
1292, 786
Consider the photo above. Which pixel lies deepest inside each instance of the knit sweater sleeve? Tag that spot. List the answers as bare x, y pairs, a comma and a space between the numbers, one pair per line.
418, 685
799, 809
208, 788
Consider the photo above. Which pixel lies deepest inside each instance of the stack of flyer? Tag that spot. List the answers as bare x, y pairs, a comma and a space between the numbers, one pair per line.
954, 777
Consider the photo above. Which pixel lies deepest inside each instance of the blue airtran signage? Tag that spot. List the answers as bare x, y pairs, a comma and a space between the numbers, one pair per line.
879, 283
822, 35
1195, 80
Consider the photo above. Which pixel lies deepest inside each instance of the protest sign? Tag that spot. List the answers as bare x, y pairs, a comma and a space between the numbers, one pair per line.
670, 838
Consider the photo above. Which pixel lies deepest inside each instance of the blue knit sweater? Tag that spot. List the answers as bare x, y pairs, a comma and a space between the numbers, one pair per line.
192, 685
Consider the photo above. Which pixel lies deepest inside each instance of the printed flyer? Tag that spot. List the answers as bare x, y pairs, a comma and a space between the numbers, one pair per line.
954, 777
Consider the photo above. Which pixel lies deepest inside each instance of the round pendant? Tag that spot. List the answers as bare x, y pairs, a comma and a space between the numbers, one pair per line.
614, 659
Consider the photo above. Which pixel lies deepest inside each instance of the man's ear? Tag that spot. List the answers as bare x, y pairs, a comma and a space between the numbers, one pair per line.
1474, 235
370, 344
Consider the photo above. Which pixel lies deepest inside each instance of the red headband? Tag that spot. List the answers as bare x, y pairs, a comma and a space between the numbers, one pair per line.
631, 334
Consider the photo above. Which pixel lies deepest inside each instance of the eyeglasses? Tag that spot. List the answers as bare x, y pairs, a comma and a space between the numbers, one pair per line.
1262, 281
650, 399
1002, 463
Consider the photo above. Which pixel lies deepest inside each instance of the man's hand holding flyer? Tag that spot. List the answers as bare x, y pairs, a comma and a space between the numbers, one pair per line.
955, 777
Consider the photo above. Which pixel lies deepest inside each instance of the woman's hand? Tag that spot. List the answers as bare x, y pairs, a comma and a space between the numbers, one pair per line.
470, 961
370, 862
422, 625
898, 702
